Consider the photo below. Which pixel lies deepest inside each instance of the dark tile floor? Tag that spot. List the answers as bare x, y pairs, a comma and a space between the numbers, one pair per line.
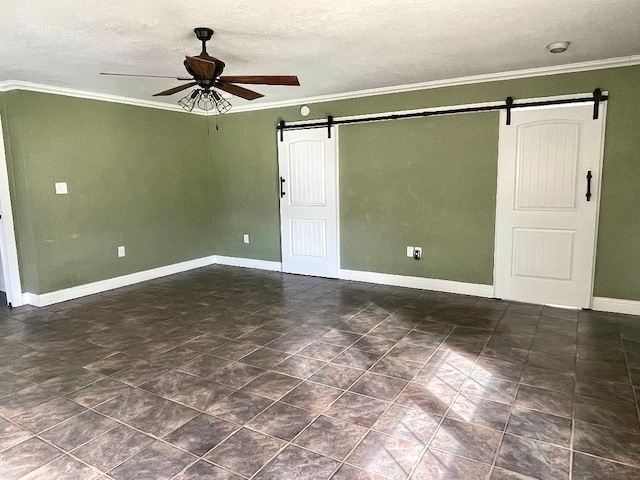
230, 373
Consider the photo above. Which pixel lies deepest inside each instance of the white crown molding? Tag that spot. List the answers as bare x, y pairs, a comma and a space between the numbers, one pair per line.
9, 85
451, 82
103, 97
616, 305
448, 286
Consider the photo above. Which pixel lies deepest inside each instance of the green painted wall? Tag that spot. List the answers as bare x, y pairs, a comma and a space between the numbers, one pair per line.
21, 207
414, 182
244, 186
173, 187
137, 177
455, 223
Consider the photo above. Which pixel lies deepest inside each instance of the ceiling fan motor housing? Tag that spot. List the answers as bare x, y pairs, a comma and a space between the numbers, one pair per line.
219, 67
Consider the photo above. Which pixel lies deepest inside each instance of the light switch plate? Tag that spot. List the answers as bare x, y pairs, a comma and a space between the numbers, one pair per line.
121, 251
410, 252
61, 188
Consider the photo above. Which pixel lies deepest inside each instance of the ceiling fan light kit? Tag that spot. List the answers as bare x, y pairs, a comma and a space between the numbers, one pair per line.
206, 100
206, 71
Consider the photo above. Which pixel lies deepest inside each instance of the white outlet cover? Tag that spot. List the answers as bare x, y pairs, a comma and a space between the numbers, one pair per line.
410, 252
61, 188
246, 238
121, 251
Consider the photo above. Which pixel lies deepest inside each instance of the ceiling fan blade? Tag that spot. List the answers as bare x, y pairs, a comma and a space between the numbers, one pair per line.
289, 80
146, 76
201, 68
173, 90
237, 91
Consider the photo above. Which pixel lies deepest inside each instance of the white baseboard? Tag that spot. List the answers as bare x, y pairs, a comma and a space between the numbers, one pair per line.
448, 286
31, 299
112, 283
249, 263
631, 307
616, 305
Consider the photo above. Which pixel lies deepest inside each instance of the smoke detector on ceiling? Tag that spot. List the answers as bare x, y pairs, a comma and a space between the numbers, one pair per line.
558, 47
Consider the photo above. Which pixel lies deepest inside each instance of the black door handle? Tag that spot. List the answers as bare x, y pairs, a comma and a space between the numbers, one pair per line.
282, 192
589, 177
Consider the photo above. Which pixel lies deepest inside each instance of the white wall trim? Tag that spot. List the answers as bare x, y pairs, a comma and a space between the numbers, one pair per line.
448, 286
248, 263
137, 277
631, 307
450, 82
130, 279
103, 97
616, 305
112, 283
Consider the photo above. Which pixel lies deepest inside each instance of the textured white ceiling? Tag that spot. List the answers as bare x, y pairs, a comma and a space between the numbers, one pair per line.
334, 46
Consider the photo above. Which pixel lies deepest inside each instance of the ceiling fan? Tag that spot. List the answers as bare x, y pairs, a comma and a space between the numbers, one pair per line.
206, 74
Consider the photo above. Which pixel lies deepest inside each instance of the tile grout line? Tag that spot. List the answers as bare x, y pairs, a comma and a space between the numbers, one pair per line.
369, 370
123, 423
164, 398
290, 442
636, 399
64, 452
456, 396
573, 405
459, 392
512, 406
391, 403
342, 394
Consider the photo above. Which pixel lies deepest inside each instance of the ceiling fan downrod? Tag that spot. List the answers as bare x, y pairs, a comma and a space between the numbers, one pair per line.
203, 34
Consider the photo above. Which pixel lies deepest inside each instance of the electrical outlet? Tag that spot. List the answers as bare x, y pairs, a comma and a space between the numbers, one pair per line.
121, 252
409, 252
246, 238
417, 253
61, 188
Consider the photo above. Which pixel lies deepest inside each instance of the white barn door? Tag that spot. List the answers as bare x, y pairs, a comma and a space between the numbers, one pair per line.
545, 225
309, 202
